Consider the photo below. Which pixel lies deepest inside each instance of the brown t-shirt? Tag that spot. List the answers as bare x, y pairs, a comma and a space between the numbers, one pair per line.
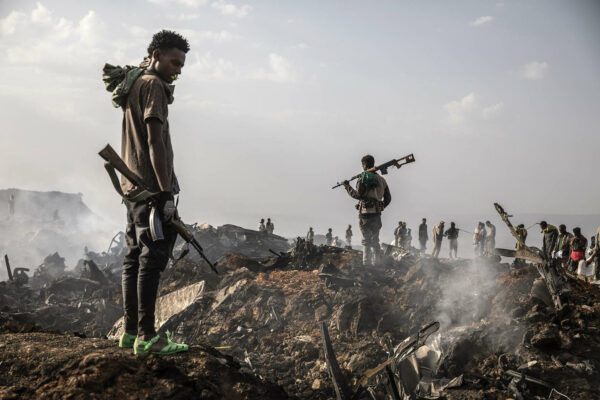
149, 98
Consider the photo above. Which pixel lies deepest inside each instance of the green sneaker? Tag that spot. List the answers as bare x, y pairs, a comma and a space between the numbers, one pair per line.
161, 345
126, 341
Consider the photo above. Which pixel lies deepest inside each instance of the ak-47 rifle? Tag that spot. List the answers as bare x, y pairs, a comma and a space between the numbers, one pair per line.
384, 167
113, 161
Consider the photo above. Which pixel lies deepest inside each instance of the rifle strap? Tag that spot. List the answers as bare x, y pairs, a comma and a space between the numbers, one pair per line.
142, 196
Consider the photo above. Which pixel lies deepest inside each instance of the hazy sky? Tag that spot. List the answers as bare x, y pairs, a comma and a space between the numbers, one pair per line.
499, 101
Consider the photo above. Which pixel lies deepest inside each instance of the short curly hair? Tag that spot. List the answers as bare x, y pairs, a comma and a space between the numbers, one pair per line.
166, 39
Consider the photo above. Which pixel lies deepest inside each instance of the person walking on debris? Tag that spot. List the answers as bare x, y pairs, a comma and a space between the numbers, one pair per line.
423, 235
349, 237
261, 226
437, 236
310, 236
147, 150
270, 226
374, 196
329, 237
479, 238
490, 238
562, 247
452, 235
399, 234
578, 245
550, 235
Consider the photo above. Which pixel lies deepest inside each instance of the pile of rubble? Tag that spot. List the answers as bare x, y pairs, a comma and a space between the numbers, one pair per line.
313, 322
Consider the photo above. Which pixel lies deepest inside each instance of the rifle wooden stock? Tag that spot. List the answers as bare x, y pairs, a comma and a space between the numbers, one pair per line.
110, 155
112, 158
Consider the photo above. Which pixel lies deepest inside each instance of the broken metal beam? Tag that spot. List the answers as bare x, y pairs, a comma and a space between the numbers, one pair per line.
392, 383
340, 385
10, 276
527, 378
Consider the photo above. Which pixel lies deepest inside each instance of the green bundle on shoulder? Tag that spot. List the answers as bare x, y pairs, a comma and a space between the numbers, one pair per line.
368, 180
119, 80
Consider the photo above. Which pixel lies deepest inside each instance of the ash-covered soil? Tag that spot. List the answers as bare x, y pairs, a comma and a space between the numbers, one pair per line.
264, 314
44, 365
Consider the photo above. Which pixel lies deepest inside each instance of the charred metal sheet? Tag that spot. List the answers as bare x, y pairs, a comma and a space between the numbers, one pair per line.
404, 349
523, 254
342, 389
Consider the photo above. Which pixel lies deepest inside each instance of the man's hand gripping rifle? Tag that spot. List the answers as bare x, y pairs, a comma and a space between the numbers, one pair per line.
383, 168
114, 162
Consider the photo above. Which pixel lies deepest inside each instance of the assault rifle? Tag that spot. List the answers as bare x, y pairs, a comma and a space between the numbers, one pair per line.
113, 161
383, 168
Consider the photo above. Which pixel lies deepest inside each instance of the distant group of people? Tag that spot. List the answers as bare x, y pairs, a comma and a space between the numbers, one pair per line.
484, 238
267, 228
331, 240
571, 249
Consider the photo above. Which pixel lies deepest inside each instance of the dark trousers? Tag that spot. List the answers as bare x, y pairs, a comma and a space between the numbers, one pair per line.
370, 225
144, 262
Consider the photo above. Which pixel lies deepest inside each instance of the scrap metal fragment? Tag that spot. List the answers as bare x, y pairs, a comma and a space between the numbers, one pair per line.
404, 349
278, 255
340, 385
527, 378
10, 277
556, 395
392, 383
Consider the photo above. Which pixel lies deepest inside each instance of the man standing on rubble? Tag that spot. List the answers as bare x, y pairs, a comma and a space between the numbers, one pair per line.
595, 256
374, 196
452, 235
261, 226
329, 237
437, 235
423, 235
562, 248
578, 245
349, 237
550, 235
11, 205
490, 238
146, 149
399, 233
270, 228
310, 236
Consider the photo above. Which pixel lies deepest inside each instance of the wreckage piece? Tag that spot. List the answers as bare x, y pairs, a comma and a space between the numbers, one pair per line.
520, 377
340, 385
392, 383
10, 277
555, 283
94, 272
404, 349
278, 255
523, 254
20, 275
556, 395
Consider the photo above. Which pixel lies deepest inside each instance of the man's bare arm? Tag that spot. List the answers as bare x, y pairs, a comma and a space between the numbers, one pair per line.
158, 153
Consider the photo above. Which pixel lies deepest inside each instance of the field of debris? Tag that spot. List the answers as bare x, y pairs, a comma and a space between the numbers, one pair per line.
454, 329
